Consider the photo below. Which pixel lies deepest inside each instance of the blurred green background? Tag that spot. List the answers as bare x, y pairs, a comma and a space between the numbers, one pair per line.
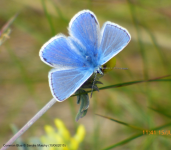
24, 88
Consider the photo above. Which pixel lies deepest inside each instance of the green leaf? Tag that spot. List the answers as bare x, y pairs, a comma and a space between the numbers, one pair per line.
84, 100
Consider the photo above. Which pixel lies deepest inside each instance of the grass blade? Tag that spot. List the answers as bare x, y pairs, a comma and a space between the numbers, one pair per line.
160, 112
142, 50
48, 17
134, 137
130, 83
121, 122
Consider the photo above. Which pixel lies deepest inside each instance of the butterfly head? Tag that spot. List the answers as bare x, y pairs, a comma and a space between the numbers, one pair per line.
98, 70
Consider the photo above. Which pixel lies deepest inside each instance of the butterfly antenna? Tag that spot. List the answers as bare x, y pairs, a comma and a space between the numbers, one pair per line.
116, 68
93, 84
120, 68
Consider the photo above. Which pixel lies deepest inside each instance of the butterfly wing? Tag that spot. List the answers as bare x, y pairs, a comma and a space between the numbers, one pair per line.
64, 83
59, 52
71, 69
84, 27
114, 39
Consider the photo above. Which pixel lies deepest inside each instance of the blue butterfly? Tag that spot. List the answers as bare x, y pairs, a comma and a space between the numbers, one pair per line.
76, 57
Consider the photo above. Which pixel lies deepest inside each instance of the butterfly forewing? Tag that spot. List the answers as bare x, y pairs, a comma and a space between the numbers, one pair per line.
85, 28
114, 39
59, 53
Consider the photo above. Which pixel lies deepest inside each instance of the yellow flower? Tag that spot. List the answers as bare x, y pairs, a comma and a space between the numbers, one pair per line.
78, 138
62, 138
80, 133
62, 130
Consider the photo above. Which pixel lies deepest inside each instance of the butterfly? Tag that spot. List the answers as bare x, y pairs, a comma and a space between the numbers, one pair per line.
76, 57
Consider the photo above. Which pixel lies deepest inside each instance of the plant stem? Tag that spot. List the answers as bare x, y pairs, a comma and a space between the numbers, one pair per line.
29, 124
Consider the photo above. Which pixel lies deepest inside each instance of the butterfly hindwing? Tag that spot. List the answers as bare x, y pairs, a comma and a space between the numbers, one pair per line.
64, 83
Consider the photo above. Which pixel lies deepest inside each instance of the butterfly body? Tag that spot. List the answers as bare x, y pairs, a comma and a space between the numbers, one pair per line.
76, 57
